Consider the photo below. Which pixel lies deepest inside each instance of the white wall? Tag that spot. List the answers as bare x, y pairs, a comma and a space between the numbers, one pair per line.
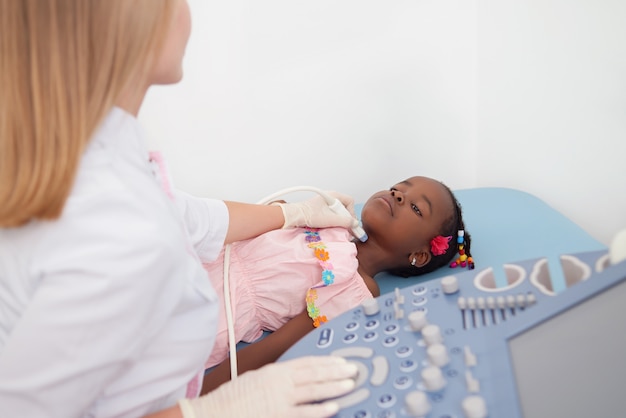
552, 105
352, 95
356, 95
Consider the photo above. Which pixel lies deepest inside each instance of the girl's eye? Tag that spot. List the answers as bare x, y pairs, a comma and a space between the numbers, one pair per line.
416, 209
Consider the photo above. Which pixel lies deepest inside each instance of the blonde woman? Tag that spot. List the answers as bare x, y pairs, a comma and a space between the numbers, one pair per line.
105, 310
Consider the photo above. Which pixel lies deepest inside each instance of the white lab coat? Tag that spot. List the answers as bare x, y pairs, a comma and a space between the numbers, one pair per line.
106, 312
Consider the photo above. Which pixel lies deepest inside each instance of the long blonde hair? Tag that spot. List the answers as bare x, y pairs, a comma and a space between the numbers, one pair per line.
63, 64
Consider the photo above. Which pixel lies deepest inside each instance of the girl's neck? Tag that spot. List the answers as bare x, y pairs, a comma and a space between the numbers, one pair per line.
370, 257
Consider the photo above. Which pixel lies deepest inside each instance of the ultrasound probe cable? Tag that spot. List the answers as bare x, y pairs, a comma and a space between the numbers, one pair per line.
333, 203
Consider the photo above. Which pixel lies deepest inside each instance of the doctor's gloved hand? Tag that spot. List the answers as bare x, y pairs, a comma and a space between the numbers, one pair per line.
316, 212
278, 390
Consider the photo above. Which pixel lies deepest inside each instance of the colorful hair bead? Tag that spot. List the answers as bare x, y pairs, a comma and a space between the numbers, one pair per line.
464, 259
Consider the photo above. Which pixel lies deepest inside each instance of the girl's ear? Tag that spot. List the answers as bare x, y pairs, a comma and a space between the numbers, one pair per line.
419, 258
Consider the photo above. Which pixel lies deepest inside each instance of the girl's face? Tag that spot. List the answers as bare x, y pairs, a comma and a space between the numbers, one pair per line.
406, 217
169, 66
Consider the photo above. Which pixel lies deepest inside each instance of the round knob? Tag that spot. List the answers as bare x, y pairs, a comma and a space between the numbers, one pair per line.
416, 403
418, 320
370, 307
432, 334
449, 285
617, 251
433, 378
438, 355
474, 407
510, 301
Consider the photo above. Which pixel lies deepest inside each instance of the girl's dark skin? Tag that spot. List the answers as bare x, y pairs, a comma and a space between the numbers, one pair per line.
400, 223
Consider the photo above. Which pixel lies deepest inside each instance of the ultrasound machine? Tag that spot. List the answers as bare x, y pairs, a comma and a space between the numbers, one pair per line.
461, 347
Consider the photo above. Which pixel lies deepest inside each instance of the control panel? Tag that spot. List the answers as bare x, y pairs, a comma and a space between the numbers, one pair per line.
428, 350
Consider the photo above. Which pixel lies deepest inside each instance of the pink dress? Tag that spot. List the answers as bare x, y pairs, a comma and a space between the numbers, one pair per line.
270, 276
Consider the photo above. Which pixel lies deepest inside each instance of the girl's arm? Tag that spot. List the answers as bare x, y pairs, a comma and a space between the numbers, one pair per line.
268, 350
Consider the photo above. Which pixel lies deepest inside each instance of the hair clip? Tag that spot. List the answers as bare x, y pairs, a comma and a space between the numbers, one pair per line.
464, 260
439, 244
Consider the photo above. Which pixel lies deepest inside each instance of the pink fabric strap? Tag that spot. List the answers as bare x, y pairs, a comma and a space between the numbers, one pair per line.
193, 387
161, 172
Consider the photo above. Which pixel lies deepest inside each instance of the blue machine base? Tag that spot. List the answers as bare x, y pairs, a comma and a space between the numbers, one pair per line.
443, 348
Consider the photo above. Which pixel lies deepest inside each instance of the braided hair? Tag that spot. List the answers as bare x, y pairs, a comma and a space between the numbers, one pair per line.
449, 227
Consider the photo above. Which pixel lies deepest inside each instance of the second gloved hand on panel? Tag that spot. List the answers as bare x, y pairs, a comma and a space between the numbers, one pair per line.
278, 390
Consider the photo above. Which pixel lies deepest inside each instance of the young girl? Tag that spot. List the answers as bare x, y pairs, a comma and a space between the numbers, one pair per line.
105, 310
289, 281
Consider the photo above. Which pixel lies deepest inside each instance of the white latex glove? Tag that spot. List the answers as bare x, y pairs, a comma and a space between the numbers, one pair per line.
278, 390
316, 213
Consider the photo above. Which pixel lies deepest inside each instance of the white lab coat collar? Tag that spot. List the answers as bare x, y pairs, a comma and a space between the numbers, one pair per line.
130, 143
